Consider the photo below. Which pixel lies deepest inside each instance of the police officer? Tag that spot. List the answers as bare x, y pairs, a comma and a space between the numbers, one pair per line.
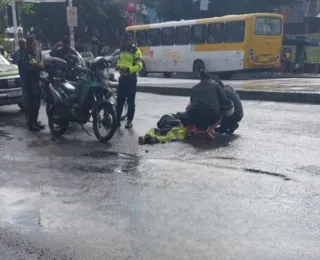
129, 64
31, 67
17, 60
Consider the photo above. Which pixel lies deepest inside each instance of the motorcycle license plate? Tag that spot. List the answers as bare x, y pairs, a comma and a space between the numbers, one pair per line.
14, 94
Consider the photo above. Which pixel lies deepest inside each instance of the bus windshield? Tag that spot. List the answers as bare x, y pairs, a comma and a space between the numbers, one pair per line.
268, 26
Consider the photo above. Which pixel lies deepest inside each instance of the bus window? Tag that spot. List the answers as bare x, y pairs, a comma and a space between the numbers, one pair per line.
167, 36
154, 37
268, 26
235, 32
215, 33
182, 35
198, 34
141, 38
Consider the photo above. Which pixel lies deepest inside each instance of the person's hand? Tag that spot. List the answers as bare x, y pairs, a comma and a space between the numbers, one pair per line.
59, 44
117, 68
41, 65
126, 70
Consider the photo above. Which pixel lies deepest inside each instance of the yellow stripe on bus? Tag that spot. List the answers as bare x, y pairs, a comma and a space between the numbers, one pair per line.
219, 47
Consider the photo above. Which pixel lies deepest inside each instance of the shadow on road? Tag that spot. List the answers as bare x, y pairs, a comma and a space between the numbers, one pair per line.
221, 141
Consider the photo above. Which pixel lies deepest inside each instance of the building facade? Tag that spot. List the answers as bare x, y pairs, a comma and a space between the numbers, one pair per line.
302, 18
137, 13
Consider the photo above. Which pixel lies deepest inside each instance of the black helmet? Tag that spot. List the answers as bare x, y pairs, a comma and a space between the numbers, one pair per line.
204, 75
126, 37
99, 63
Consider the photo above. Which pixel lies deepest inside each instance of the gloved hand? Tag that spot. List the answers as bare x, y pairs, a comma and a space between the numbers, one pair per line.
125, 70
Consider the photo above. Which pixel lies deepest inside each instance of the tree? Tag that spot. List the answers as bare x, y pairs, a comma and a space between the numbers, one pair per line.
190, 9
101, 19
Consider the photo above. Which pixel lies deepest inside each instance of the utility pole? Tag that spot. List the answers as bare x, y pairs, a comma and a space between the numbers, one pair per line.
15, 25
71, 27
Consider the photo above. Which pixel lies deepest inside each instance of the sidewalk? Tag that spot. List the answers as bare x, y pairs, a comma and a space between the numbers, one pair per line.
283, 90
248, 75
295, 90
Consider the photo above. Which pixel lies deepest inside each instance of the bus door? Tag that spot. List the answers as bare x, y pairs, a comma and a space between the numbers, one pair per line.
168, 58
234, 45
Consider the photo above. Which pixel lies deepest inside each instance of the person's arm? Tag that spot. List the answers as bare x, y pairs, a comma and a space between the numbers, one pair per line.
54, 52
29, 65
221, 94
137, 62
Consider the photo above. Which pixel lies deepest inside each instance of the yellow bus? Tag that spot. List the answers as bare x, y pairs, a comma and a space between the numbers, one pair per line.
222, 45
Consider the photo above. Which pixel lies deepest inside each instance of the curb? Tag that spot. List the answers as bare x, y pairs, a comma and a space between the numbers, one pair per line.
290, 97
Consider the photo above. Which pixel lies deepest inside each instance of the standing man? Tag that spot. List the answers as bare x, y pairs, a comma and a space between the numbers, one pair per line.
63, 49
31, 68
129, 64
17, 60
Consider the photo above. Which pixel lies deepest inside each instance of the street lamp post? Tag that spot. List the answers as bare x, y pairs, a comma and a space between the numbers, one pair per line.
15, 25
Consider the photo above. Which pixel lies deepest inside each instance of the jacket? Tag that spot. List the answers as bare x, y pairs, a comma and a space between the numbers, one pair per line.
208, 94
130, 58
30, 65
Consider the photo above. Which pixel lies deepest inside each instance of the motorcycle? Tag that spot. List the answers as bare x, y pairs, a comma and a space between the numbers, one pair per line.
79, 101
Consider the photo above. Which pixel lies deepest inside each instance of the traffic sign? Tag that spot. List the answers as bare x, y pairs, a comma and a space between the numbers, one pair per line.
72, 16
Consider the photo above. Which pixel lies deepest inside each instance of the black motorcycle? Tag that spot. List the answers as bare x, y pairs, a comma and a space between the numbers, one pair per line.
79, 100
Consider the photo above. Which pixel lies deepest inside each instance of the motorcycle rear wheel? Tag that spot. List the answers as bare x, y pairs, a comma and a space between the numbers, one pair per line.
109, 120
57, 127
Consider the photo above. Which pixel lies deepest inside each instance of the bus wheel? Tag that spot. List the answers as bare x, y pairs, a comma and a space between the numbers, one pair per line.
143, 73
225, 75
167, 75
198, 66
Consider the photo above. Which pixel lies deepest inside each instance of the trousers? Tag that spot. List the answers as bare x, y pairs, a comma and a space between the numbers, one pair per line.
34, 101
127, 92
201, 116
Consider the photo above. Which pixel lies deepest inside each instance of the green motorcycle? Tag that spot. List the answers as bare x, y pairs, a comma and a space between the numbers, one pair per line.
80, 101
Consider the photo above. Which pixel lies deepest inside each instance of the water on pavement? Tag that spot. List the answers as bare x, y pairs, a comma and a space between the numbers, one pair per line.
254, 195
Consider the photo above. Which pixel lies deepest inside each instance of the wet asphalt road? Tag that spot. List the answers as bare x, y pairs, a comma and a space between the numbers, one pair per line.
251, 196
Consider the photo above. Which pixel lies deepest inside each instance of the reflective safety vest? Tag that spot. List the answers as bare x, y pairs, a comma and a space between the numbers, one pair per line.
130, 58
178, 133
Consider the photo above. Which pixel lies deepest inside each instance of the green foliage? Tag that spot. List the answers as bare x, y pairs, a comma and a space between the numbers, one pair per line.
188, 9
101, 19
8, 46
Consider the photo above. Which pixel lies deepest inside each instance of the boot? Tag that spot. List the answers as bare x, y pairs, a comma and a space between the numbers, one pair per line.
129, 124
33, 127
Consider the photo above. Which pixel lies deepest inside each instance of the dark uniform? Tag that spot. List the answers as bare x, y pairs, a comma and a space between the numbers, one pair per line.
207, 100
30, 69
129, 64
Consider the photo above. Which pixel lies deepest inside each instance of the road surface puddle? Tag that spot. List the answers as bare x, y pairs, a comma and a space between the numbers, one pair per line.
19, 207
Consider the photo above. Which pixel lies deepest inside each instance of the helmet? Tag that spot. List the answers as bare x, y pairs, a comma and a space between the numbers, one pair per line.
99, 63
126, 36
204, 75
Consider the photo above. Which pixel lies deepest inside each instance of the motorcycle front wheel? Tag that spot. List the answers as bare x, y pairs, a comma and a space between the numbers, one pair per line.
124, 113
104, 120
57, 126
